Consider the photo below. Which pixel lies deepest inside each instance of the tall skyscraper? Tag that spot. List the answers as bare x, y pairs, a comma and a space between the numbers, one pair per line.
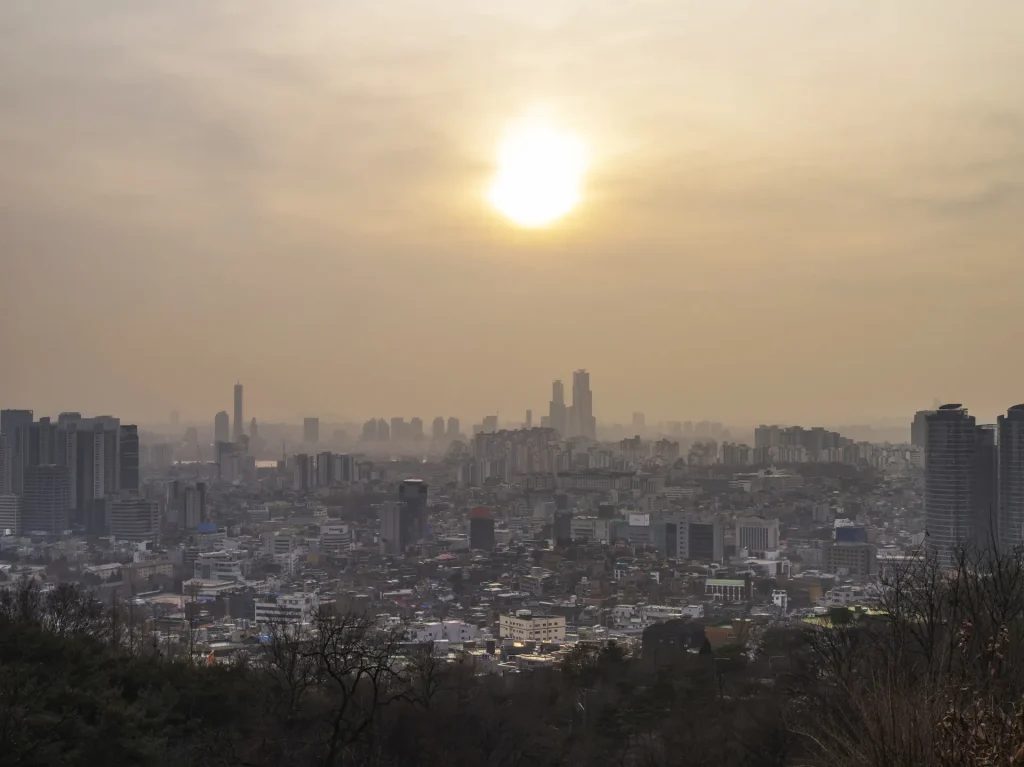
437, 432
391, 528
221, 427
326, 470
45, 500
557, 410
12, 425
128, 459
639, 423
454, 429
583, 405
413, 493
10, 514
1011, 478
986, 492
239, 419
416, 428
399, 429
111, 428
84, 453
528, 423
919, 428
960, 482
303, 473
5, 467
311, 431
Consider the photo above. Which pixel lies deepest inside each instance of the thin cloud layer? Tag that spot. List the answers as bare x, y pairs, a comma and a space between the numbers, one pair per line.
802, 212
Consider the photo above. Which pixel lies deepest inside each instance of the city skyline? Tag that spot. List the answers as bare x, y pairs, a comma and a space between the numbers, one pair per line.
557, 383
560, 415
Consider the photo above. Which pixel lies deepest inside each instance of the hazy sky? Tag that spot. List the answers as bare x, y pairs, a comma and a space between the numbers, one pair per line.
797, 211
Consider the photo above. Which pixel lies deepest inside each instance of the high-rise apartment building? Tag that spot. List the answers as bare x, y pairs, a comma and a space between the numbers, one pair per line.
1011, 478
326, 468
45, 499
5, 467
10, 514
111, 428
413, 493
221, 427
128, 459
303, 473
919, 428
454, 429
392, 530
557, 410
583, 405
960, 482
416, 428
437, 429
239, 423
398, 428
311, 431
12, 423
639, 423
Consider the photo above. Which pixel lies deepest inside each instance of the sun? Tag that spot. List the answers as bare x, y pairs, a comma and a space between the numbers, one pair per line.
540, 175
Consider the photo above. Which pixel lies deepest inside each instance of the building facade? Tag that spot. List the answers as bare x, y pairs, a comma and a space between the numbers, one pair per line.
45, 499
757, 534
1011, 478
239, 424
134, 519
524, 626
960, 482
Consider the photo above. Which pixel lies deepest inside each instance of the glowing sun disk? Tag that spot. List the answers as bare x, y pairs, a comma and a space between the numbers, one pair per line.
540, 175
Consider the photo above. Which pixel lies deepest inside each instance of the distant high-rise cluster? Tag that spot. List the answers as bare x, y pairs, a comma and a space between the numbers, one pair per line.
64, 474
577, 419
239, 424
400, 430
506, 454
974, 480
323, 470
795, 444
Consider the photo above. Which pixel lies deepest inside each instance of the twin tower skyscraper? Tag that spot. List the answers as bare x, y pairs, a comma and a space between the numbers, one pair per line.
974, 479
577, 419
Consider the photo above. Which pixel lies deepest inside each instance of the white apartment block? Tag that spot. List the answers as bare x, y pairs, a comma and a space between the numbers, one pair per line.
220, 566
441, 631
335, 538
285, 609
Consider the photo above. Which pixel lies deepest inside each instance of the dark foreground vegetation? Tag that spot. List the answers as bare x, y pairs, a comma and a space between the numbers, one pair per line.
936, 679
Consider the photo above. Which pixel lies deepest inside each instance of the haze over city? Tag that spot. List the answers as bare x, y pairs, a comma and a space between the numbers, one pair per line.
491, 383
789, 212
